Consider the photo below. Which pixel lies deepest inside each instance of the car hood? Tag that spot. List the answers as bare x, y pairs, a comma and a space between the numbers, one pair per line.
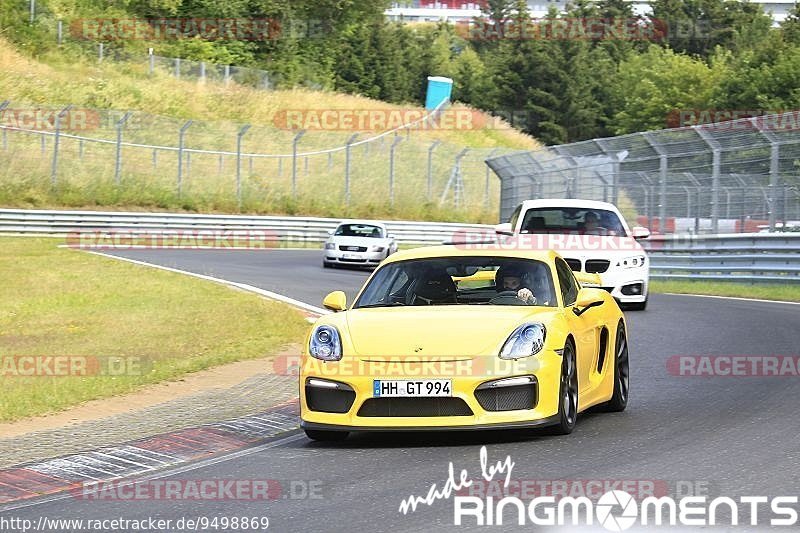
358, 241
583, 246
444, 332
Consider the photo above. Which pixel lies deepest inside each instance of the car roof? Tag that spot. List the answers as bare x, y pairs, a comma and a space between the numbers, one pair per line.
569, 202
360, 221
480, 250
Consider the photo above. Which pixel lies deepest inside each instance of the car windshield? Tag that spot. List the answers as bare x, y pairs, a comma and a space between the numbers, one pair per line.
359, 230
460, 281
570, 220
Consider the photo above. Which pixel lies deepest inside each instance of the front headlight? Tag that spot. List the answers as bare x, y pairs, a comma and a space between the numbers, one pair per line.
525, 341
325, 343
330, 246
376, 249
634, 261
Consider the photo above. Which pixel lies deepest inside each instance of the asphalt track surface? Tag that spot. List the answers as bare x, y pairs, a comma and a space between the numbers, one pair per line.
727, 436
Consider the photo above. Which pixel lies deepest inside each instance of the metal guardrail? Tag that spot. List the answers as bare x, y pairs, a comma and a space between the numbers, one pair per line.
736, 257
288, 230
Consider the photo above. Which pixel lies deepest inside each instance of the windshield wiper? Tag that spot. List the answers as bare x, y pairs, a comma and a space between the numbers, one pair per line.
386, 304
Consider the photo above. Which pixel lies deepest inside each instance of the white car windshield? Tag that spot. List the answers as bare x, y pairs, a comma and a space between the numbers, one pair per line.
571, 220
358, 230
460, 281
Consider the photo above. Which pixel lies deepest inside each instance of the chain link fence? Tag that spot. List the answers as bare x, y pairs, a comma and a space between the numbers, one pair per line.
726, 177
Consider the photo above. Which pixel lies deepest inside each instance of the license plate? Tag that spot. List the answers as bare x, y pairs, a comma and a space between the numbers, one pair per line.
350, 256
388, 388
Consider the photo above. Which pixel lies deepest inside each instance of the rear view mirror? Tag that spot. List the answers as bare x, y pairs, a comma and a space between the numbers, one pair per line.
588, 298
335, 301
504, 229
640, 232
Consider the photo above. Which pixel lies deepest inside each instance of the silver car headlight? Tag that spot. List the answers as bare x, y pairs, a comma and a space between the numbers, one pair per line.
325, 343
633, 261
376, 249
330, 246
525, 341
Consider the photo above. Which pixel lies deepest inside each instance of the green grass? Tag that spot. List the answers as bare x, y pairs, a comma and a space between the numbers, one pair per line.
162, 104
760, 291
66, 302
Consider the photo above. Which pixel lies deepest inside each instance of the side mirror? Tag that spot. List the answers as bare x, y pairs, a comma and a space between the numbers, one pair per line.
504, 229
588, 298
330, 232
392, 236
640, 232
335, 301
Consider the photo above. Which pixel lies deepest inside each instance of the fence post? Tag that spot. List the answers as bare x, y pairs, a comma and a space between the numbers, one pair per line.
486, 186
100, 52
392, 150
33, 11
350, 141
4, 105
295, 141
227, 77
430, 166
56, 139
152, 61
715, 170
239, 136
202, 71
774, 169
155, 158
181, 138
118, 161
219, 167
60, 31
44, 143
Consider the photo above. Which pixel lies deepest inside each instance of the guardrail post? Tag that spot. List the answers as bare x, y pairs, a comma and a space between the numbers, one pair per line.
392, 151
178, 67
239, 136
118, 158
350, 142
151, 61
43, 139
227, 76
32, 11
155, 158
100, 53
295, 141
219, 165
181, 139
430, 166
59, 31
56, 139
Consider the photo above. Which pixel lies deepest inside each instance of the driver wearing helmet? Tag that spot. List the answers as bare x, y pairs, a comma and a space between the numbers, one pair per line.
514, 278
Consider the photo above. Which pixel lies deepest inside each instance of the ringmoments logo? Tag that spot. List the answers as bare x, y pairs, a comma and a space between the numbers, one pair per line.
615, 510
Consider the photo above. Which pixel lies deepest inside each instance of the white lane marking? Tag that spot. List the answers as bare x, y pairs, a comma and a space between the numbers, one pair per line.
242, 286
169, 472
123, 247
730, 298
145, 454
118, 458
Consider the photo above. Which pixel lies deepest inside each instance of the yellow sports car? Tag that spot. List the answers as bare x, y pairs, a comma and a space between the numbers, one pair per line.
447, 338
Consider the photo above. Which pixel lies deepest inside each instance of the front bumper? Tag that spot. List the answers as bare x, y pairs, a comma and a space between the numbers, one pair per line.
353, 258
627, 286
471, 406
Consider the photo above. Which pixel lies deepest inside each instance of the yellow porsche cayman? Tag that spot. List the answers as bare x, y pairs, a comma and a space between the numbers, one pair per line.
448, 338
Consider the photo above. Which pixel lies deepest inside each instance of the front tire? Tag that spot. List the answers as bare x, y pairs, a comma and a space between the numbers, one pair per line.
568, 392
323, 435
619, 398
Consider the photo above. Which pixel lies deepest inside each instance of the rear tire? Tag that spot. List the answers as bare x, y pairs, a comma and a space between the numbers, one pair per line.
323, 435
567, 392
619, 398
